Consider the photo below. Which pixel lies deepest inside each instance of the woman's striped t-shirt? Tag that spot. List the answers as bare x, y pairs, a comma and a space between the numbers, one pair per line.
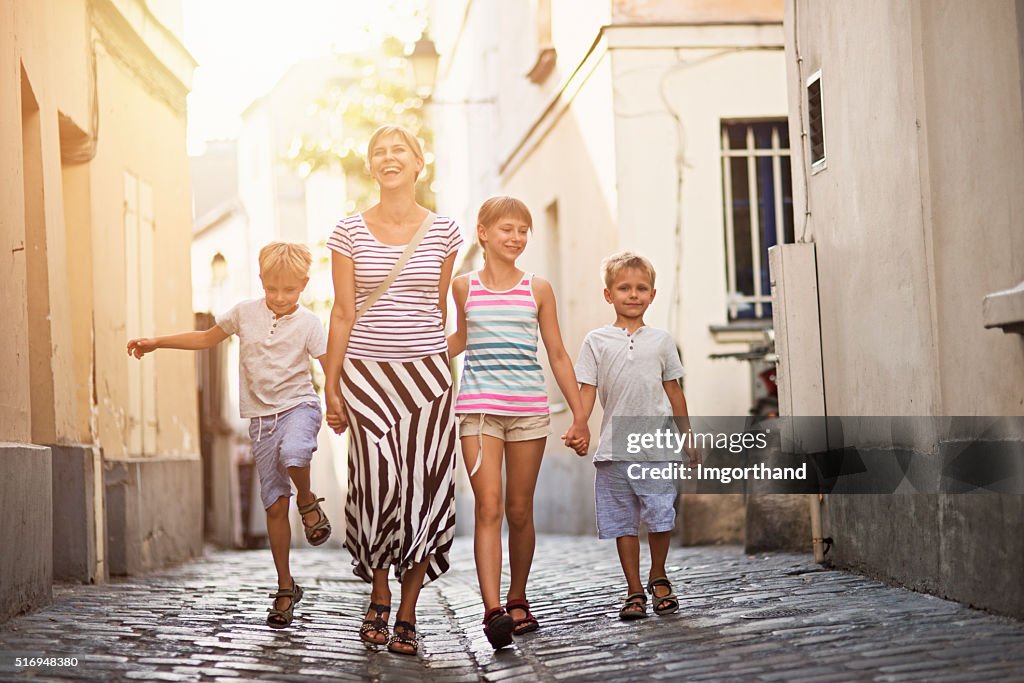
501, 375
405, 323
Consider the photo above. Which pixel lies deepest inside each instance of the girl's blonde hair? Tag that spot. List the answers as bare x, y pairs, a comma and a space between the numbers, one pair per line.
394, 129
616, 263
289, 257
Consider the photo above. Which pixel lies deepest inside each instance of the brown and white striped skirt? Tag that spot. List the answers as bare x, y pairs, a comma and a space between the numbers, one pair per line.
401, 464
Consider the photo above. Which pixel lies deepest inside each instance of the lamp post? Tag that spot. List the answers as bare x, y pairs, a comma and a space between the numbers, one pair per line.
424, 60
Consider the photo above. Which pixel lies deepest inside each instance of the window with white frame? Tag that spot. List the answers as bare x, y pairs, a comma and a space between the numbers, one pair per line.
758, 197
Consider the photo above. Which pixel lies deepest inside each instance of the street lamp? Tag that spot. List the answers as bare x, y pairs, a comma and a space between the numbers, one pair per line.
424, 60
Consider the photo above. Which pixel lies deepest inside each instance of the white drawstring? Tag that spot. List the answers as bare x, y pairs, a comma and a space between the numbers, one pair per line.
259, 428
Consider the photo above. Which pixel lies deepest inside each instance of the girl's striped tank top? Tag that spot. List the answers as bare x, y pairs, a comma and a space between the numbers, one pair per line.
501, 375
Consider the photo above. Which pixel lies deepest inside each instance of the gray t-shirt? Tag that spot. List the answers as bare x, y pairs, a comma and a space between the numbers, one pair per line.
273, 356
628, 371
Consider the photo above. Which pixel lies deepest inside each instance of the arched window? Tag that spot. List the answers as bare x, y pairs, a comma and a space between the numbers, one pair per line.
218, 269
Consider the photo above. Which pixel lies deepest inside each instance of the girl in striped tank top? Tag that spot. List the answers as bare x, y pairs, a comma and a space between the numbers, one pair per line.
503, 406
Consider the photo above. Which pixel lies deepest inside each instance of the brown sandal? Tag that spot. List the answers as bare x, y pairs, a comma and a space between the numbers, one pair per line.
282, 618
322, 524
663, 604
635, 607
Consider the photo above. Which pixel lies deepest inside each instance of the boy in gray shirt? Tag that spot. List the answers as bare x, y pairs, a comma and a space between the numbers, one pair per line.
635, 370
277, 336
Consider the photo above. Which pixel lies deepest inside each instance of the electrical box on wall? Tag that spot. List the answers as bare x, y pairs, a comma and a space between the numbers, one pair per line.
794, 281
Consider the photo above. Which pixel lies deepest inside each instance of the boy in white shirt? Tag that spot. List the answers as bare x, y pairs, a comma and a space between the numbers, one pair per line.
277, 336
636, 370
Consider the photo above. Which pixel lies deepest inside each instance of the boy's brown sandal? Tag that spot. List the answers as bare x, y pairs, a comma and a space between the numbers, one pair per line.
282, 618
528, 623
318, 532
378, 624
635, 607
663, 604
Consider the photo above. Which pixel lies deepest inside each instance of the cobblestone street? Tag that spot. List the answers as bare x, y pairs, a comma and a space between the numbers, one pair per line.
769, 618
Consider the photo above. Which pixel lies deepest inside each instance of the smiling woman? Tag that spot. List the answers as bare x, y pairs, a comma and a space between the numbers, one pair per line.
387, 377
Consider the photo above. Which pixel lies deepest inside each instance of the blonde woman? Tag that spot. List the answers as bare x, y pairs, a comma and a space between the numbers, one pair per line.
389, 383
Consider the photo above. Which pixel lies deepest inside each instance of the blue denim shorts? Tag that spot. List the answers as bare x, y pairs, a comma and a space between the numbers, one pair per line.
280, 441
622, 503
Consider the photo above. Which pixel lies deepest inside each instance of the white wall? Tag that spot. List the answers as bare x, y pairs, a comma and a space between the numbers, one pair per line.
701, 87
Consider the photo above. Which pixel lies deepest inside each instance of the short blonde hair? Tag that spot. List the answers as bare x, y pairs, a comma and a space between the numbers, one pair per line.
289, 257
394, 129
612, 265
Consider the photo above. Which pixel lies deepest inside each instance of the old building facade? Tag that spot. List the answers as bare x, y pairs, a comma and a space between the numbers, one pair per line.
99, 472
908, 196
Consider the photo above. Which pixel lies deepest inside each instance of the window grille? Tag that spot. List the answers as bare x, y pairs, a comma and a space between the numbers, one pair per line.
758, 202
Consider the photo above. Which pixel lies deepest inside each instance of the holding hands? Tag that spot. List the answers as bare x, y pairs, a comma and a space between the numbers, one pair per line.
336, 418
578, 437
693, 453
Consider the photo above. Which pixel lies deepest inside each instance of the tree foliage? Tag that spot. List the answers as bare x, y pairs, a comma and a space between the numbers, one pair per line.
379, 91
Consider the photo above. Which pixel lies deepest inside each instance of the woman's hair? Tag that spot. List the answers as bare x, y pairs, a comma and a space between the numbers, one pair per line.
287, 257
616, 263
496, 208
394, 129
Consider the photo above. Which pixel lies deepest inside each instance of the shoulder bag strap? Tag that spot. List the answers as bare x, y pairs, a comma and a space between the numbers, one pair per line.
399, 265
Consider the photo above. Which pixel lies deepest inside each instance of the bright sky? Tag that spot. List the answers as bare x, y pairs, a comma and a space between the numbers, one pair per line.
244, 46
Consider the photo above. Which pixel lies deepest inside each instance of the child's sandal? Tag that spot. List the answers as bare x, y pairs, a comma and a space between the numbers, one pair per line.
498, 627
282, 618
528, 623
635, 607
378, 624
404, 634
318, 532
663, 604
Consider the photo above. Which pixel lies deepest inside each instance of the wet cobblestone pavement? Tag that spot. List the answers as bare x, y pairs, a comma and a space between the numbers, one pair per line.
778, 617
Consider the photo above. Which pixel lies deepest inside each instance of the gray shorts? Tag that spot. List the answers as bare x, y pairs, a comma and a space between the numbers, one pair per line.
622, 503
280, 441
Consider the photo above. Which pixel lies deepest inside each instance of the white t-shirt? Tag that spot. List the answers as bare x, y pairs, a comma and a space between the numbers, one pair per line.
628, 371
273, 356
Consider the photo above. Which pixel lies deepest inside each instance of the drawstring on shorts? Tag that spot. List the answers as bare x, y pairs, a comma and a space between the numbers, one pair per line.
480, 443
259, 428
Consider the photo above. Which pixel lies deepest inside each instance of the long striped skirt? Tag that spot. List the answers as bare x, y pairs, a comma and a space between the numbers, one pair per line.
401, 464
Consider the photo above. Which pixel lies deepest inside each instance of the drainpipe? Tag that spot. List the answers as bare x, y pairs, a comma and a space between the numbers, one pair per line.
815, 500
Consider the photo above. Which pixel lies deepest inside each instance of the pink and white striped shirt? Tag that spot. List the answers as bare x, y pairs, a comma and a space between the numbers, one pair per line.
405, 323
501, 375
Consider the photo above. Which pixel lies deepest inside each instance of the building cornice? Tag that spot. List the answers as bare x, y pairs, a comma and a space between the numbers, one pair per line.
132, 35
693, 36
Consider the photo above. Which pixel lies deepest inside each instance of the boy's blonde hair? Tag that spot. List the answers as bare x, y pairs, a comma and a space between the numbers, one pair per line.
394, 129
289, 257
612, 265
